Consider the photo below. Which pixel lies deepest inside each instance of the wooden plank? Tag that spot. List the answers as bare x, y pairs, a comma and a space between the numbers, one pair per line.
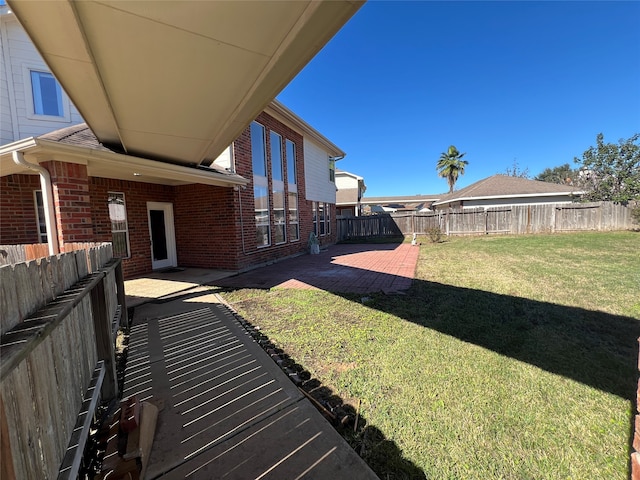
23, 425
104, 341
39, 368
11, 361
9, 303
7, 472
71, 462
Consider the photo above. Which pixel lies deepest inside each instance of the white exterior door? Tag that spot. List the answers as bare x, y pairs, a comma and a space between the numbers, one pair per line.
161, 231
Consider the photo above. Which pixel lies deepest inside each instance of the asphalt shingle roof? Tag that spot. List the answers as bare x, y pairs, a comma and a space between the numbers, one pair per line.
506, 186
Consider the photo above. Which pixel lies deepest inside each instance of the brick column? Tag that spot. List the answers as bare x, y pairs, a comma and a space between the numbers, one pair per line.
71, 200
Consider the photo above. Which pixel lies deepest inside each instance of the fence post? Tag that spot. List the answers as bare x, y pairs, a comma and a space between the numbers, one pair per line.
104, 340
122, 298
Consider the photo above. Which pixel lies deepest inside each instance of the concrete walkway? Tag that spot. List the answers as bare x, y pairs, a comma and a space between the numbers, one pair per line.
228, 411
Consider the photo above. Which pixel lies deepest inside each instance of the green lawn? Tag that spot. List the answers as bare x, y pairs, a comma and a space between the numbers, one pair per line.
510, 357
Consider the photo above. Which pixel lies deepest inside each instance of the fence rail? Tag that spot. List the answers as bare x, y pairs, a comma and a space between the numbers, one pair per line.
513, 219
56, 325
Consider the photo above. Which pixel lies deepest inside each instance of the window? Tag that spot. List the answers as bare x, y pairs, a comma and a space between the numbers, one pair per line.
294, 222
291, 163
46, 94
260, 184
332, 170
292, 189
315, 217
119, 228
327, 209
263, 231
321, 218
40, 218
258, 150
277, 180
277, 173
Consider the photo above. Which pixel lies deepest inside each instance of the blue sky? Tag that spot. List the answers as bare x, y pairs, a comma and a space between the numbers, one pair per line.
505, 82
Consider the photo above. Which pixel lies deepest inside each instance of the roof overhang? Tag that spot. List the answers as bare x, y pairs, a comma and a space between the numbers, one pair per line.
570, 193
177, 81
106, 164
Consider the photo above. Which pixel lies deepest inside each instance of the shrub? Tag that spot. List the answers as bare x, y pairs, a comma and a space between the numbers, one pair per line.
435, 234
635, 214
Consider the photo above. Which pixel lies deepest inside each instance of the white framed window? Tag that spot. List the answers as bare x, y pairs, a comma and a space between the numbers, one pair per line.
290, 152
321, 219
277, 181
40, 218
119, 226
44, 97
314, 210
327, 209
294, 219
332, 170
260, 185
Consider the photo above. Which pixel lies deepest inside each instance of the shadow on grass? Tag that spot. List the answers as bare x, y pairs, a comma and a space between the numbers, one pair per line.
594, 348
382, 454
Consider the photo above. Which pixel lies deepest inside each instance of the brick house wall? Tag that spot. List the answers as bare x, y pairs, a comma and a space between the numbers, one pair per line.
136, 195
18, 220
71, 199
214, 226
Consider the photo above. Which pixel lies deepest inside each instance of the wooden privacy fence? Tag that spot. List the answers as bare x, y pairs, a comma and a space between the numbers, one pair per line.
351, 228
10, 254
58, 320
512, 219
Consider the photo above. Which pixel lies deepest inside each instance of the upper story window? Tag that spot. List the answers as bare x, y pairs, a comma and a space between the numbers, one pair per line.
46, 94
332, 170
291, 162
258, 150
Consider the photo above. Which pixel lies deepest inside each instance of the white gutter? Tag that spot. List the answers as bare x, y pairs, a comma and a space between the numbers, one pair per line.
47, 199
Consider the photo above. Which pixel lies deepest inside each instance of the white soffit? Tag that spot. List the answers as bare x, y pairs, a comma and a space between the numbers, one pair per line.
177, 80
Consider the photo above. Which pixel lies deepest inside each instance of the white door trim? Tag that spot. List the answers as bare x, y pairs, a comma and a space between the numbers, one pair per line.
170, 235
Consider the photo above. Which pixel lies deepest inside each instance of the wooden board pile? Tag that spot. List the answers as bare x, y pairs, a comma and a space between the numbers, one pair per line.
128, 438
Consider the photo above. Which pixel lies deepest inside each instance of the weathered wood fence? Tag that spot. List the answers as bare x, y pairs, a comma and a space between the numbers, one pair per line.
353, 228
513, 219
58, 320
11, 254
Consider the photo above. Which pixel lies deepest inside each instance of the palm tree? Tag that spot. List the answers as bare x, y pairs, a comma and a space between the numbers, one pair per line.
451, 165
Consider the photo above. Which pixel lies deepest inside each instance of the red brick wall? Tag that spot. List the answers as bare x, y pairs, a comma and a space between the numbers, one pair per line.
18, 221
215, 226
71, 200
207, 234
251, 254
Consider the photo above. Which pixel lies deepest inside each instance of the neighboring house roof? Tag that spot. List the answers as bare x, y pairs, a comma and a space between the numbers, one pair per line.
175, 82
78, 143
348, 174
401, 199
505, 186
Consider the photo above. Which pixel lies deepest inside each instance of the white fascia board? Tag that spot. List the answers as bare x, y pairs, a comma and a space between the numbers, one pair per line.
523, 195
44, 149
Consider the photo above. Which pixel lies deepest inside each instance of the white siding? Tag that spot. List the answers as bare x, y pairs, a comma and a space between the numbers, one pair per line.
224, 159
316, 174
344, 182
16, 106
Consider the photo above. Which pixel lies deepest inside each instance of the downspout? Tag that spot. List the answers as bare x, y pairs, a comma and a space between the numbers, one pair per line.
47, 199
